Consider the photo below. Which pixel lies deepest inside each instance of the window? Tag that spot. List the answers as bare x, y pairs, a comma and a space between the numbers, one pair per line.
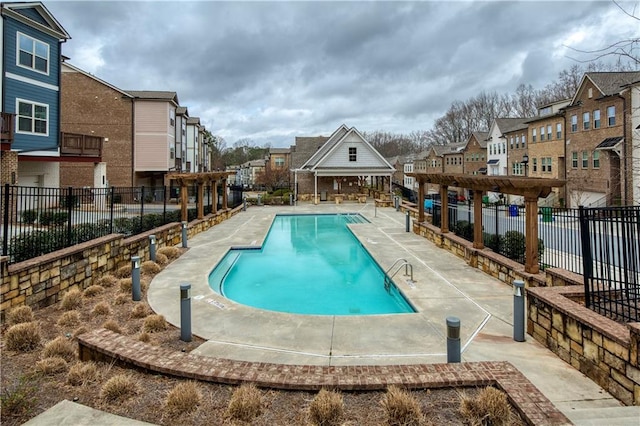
574, 123
504, 147
511, 142
33, 54
534, 164
574, 159
516, 168
611, 116
541, 133
279, 162
548, 132
33, 118
524, 140
585, 121
596, 119
517, 141
596, 159
546, 164
585, 159
558, 130
353, 154
533, 135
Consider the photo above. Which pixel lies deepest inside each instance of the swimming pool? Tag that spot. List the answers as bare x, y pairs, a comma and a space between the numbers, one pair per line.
308, 264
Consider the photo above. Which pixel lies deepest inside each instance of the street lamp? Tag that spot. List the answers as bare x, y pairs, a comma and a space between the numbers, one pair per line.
525, 161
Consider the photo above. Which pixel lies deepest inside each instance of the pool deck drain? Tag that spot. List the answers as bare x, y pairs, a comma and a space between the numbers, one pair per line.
443, 286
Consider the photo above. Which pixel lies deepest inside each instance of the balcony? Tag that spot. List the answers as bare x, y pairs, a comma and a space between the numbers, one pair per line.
8, 122
76, 145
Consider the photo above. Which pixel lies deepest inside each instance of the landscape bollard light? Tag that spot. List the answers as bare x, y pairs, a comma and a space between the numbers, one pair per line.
290, 199
396, 200
518, 311
184, 234
407, 221
152, 248
453, 339
259, 199
135, 278
244, 204
185, 312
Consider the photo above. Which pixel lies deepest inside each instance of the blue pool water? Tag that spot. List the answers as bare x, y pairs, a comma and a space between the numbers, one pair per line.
309, 264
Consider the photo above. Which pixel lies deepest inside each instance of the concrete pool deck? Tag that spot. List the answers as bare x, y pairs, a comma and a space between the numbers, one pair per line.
444, 285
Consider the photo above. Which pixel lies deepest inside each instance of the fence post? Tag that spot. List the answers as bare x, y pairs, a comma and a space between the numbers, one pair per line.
141, 207
164, 198
69, 213
587, 261
497, 239
113, 193
5, 224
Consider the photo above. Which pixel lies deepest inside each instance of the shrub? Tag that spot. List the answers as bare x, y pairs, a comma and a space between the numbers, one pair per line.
149, 268
19, 315
106, 281
245, 403
125, 285
51, 365
140, 310
122, 299
492, 241
60, 346
18, 400
113, 326
23, 337
119, 388
514, 245
88, 231
69, 318
124, 225
100, 309
31, 244
123, 272
490, 406
183, 398
29, 216
144, 337
161, 259
93, 291
82, 373
327, 408
464, 229
154, 323
169, 251
80, 330
52, 217
71, 300
401, 407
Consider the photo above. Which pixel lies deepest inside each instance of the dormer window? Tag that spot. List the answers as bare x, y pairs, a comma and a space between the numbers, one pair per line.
33, 54
353, 154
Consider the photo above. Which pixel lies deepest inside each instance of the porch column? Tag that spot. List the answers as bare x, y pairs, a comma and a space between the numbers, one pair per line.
420, 200
184, 199
444, 211
531, 235
225, 196
214, 208
478, 241
315, 188
295, 184
200, 202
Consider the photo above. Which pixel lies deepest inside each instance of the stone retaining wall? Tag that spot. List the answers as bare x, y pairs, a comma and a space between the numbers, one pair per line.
43, 280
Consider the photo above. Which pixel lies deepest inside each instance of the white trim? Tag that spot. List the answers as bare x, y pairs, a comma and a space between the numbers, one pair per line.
52, 154
55, 29
31, 81
33, 39
33, 118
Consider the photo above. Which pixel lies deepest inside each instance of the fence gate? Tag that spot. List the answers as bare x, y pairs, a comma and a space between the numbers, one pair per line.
610, 240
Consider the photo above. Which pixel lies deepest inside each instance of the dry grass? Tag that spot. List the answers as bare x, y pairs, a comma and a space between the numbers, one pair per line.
154, 323
161, 259
113, 326
327, 409
106, 281
490, 406
83, 373
51, 365
401, 407
144, 337
149, 268
119, 388
140, 310
125, 285
169, 251
69, 319
123, 272
62, 347
245, 404
19, 315
122, 299
101, 309
80, 330
93, 291
183, 398
23, 337
71, 300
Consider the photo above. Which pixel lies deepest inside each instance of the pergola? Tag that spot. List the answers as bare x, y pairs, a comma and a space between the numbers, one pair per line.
530, 188
183, 180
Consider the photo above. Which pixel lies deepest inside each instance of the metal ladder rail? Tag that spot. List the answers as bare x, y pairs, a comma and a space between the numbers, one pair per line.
408, 270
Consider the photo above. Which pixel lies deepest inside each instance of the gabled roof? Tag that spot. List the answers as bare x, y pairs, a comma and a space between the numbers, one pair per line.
182, 111
481, 137
324, 149
193, 120
279, 150
155, 95
36, 15
507, 125
453, 148
93, 77
608, 83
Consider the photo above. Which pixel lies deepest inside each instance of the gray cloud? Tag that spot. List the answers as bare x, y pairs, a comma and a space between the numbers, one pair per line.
273, 70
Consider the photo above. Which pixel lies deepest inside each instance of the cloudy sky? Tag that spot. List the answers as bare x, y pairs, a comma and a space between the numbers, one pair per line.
270, 71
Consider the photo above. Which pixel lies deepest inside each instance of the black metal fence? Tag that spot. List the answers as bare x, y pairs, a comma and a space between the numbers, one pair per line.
611, 261
503, 230
36, 221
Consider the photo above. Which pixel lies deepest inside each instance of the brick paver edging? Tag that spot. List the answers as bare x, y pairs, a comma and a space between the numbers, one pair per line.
534, 407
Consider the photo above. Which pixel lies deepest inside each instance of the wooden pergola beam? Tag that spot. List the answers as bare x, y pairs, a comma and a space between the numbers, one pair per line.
183, 180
